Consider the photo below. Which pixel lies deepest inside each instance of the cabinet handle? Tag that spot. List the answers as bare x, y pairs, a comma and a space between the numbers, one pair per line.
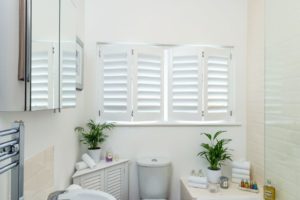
22, 39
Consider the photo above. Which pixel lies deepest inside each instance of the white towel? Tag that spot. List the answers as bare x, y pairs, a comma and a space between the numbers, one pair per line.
241, 165
236, 180
73, 187
241, 171
88, 160
197, 185
81, 165
197, 179
240, 176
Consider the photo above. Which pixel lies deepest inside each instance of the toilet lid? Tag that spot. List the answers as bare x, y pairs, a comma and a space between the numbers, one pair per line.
153, 162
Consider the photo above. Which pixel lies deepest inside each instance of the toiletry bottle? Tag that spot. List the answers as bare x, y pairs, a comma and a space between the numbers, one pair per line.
246, 184
242, 183
269, 191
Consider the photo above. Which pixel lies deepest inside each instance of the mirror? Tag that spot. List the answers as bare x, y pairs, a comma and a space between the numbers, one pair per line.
37, 55
68, 54
44, 73
12, 89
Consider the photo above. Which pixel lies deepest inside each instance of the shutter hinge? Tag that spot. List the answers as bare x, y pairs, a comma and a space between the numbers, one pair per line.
202, 113
53, 50
132, 113
230, 56
99, 54
99, 113
203, 54
231, 113
132, 52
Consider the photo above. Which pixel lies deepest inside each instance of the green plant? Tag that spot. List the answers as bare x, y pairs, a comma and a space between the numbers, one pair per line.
94, 135
215, 152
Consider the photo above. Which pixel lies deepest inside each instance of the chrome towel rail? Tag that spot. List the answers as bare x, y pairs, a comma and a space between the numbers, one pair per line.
12, 152
8, 132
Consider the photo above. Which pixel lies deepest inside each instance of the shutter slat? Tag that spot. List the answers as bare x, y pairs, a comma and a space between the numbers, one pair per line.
40, 78
68, 75
115, 83
148, 84
185, 84
217, 93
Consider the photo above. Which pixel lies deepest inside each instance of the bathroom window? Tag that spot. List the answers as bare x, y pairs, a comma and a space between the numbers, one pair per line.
165, 84
131, 83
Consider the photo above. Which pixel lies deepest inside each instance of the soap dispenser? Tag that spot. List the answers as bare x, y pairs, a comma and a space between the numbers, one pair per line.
269, 191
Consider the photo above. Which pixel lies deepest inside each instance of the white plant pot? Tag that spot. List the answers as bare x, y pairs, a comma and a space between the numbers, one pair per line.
213, 176
95, 154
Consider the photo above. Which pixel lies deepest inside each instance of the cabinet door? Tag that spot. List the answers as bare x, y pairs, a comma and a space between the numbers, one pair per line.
44, 93
115, 180
12, 88
67, 54
93, 181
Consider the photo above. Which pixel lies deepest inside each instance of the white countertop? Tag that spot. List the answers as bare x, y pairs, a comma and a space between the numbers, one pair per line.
101, 165
232, 193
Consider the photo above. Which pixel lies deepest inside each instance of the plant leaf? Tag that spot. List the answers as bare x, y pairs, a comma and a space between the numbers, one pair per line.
217, 134
207, 135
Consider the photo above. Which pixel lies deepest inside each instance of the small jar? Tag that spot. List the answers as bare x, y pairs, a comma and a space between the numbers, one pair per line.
214, 188
224, 182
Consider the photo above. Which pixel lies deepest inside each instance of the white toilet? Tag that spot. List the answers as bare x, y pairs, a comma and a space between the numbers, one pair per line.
154, 175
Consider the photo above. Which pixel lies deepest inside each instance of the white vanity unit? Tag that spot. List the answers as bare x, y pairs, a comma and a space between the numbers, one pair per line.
233, 193
110, 177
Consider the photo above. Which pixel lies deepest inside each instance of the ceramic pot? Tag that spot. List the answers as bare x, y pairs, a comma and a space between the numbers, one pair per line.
213, 176
95, 154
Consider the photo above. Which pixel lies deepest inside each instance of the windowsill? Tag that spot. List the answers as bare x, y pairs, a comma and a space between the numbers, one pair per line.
175, 124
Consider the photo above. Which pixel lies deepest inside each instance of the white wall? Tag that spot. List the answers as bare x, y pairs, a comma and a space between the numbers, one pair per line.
282, 129
255, 88
45, 128
169, 21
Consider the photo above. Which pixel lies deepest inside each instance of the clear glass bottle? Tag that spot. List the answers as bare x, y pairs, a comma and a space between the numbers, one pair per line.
269, 191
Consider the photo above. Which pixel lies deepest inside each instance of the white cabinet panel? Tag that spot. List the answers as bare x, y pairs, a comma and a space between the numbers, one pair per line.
108, 177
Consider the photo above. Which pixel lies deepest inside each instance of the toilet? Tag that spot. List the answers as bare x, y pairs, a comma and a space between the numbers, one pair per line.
154, 174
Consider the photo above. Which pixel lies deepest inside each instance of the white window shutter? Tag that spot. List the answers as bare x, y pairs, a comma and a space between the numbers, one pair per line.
217, 84
42, 62
185, 84
68, 75
115, 83
148, 84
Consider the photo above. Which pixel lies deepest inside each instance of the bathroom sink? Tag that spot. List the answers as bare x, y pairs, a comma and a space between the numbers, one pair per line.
83, 194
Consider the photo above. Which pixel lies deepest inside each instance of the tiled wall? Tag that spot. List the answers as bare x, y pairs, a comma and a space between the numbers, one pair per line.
255, 88
283, 97
39, 175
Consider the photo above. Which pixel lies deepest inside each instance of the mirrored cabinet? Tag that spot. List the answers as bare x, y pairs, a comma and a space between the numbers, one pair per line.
37, 55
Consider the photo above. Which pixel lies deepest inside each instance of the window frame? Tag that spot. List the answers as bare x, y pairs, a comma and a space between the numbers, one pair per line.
166, 120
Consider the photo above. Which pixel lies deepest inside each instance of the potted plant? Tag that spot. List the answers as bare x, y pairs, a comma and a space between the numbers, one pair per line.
93, 137
216, 154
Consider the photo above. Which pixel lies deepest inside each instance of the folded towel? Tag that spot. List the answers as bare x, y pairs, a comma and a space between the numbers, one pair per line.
240, 176
241, 171
73, 187
88, 160
81, 165
236, 180
197, 179
241, 165
197, 185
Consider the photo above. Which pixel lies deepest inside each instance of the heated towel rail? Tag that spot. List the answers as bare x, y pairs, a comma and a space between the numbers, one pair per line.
12, 154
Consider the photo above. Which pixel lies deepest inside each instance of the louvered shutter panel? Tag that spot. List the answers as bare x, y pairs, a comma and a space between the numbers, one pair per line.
42, 62
217, 95
148, 84
68, 75
185, 84
115, 83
